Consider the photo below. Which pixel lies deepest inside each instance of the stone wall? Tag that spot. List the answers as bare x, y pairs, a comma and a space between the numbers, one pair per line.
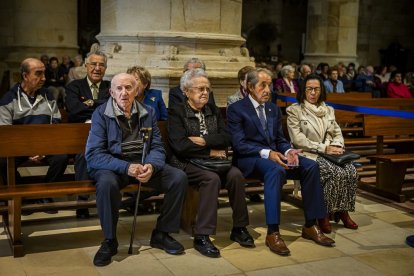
163, 35
284, 23
30, 28
383, 22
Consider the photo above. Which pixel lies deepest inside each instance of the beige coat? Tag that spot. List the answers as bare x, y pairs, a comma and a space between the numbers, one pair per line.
306, 134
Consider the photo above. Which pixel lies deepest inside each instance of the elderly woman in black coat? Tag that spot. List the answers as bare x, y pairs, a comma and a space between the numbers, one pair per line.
197, 131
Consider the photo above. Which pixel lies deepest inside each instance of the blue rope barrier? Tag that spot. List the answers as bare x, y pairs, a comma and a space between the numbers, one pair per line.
361, 109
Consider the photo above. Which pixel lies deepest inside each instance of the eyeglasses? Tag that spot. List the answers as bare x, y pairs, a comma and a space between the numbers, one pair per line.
97, 64
201, 89
310, 89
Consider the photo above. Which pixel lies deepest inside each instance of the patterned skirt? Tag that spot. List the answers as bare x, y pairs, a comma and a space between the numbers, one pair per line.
339, 185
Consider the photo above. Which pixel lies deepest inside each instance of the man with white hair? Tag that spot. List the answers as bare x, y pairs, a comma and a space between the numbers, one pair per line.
114, 152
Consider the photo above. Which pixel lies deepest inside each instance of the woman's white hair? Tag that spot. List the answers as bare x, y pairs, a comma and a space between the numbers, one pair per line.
186, 80
286, 69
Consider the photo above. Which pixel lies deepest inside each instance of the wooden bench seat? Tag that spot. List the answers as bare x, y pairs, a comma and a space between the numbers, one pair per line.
53, 189
373, 141
394, 158
390, 168
31, 140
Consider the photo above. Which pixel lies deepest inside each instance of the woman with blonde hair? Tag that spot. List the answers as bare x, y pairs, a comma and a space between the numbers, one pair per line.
147, 95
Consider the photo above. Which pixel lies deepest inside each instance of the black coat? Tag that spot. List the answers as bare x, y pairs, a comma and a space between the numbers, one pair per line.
79, 91
182, 123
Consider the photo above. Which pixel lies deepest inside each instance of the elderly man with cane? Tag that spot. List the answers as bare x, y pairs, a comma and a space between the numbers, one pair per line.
114, 154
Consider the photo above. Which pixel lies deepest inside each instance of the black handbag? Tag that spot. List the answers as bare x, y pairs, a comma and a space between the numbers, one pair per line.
339, 159
217, 165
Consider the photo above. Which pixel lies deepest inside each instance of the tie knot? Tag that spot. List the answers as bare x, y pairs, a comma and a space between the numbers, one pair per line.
261, 107
94, 86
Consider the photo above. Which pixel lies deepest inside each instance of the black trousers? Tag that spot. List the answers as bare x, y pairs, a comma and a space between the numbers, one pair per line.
81, 172
170, 181
57, 166
209, 183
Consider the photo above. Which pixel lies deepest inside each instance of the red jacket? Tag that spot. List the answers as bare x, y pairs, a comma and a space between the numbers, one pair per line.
396, 90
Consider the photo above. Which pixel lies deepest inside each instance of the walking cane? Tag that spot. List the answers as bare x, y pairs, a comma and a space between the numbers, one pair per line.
145, 132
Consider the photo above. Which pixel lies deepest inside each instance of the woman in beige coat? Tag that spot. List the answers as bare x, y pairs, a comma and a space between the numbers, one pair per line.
312, 128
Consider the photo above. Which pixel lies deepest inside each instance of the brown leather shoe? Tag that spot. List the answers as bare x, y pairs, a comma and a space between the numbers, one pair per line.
314, 233
325, 225
348, 222
276, 244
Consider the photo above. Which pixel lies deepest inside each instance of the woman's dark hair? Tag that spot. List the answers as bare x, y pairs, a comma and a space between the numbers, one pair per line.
301, 96
54, 59
394, 73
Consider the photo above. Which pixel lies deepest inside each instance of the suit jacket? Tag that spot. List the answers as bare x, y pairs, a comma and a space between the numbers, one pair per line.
153, 98
305, 133
176, 96
79, 91
234, 97
248, 136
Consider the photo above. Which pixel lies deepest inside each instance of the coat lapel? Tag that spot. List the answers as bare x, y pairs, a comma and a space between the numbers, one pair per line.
87, 88
312, 121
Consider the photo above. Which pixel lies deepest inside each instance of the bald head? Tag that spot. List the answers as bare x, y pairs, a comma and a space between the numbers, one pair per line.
305, 70
123, 76
33, 75
29, 63
123, 90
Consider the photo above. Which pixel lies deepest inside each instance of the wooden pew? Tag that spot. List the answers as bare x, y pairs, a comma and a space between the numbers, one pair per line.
391, 168
31, 140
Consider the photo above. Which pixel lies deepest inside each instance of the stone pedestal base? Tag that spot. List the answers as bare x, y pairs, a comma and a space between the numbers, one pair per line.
164, 54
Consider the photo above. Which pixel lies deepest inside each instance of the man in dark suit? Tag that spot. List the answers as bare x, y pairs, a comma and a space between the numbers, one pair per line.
176, 95
261, 150
85, 95
82, 98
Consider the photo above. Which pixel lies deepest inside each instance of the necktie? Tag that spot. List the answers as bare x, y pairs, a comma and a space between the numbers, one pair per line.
262, 117
263, 122
94, 88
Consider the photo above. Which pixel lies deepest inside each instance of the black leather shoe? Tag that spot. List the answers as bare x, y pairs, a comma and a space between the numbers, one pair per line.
255, 198
242, 236
165, 242
82, 213
204, 245
104, 255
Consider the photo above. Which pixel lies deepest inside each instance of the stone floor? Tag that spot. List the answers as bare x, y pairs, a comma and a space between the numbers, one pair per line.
62, 245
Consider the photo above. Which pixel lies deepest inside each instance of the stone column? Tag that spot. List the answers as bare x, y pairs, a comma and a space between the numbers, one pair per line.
33, 28
332, 30
162, 35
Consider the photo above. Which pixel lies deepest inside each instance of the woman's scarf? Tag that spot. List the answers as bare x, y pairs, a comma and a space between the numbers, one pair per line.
318, 112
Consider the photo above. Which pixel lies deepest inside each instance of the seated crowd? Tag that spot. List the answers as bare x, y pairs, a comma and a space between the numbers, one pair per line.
381, 81
121, 109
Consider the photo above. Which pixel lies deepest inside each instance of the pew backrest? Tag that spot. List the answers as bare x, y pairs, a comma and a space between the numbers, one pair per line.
31, 140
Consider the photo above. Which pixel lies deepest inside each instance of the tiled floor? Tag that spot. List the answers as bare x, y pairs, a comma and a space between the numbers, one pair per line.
62, 245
